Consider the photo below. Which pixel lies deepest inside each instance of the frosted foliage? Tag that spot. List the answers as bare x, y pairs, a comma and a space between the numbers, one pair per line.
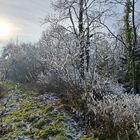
119, 109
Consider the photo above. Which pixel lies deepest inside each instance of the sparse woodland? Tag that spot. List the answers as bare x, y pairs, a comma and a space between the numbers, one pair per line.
89, 56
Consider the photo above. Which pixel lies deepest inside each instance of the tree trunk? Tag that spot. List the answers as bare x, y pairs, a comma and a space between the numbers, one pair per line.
81, 38
135, 81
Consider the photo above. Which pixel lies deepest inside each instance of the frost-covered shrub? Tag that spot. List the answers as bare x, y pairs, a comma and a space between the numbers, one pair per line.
19, 63
118, 115
106, 85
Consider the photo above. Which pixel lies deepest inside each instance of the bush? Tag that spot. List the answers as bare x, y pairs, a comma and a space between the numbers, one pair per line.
116, 116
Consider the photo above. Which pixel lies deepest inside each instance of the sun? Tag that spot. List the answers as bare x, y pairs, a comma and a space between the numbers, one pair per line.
5, 29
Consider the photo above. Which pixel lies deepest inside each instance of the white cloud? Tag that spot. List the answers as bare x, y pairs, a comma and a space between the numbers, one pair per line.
25, 15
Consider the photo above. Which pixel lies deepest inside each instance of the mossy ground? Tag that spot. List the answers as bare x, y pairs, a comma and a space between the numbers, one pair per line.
28, 116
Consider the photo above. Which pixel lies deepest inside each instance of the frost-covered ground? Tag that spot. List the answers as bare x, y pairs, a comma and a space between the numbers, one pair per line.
28, 115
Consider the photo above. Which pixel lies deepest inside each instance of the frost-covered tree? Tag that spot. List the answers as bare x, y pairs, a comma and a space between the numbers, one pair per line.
130, 40
59, 55
19, 62
79, 18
